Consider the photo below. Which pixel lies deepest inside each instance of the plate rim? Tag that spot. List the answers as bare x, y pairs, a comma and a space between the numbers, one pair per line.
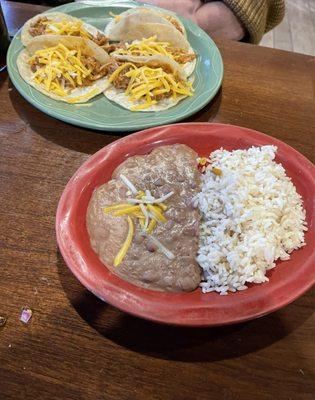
167, 318
72, 119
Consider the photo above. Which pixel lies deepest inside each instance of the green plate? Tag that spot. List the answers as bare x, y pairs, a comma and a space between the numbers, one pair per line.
105, 115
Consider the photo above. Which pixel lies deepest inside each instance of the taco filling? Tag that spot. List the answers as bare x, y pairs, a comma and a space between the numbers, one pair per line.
151, 47
62, 70
175, 23
145, 15
45, 26
146, 85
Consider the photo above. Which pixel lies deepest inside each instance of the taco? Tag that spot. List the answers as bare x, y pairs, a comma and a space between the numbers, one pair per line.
139, 25
151, 47
151, 83
57, 23
66, 68
146, 15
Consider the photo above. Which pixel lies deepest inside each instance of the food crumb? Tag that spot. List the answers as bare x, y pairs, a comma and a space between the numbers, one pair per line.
301, 370
217, 171
10, 345
26, 315
3, 321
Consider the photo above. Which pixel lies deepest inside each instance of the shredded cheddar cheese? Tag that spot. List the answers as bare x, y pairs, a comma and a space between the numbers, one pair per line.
147, 84
148, 212
151, 226
162, 206
115, 74
66, 27
157, 214
115, 207
147, 47
127, 243
126, 210
56, 65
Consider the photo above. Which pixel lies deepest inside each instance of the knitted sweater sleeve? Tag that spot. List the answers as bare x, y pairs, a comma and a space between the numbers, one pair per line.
257, 16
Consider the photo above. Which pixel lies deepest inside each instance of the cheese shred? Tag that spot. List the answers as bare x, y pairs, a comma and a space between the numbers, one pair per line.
66, 27
57, 65
151, 46
149, 85
127, 243
148, 212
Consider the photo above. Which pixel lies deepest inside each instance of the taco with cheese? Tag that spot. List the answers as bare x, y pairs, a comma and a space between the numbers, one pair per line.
139, 24
67, 68
150, 47
148, 83
145, 15
57, 23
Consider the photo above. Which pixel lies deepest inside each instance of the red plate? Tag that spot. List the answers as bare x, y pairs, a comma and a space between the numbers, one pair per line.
288, 280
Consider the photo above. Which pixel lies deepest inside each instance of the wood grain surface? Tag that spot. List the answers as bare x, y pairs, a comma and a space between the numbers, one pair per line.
78, 348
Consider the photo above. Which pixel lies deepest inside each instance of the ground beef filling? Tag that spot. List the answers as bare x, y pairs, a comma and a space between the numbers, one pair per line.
174, 22
122, 81
38, 28
180, 55
97, 69
100, 40
113, 47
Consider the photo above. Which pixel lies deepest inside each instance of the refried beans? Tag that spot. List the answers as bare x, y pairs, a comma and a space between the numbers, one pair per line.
171, 168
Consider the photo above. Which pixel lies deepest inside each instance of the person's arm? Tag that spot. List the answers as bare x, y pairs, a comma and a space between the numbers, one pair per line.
229, 18
215, 17
258, 17
218, 20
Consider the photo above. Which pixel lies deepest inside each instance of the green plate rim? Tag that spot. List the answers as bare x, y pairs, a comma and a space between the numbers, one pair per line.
72, 119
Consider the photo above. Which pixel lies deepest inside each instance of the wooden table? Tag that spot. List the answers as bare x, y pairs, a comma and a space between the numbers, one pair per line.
77, 347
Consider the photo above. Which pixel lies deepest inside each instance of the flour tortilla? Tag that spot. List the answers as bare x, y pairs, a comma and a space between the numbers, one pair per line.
137, 26
154, 62
26, 37
72, 42
118, 95
188, 67
146, 15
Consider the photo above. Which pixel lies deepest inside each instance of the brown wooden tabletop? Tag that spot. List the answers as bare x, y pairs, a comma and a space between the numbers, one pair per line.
77, 347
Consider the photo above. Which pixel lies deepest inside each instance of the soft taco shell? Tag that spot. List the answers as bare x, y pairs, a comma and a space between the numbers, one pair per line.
155, 62
145, 15
188, 68
118, 96
136, 27
89, 48
26, 37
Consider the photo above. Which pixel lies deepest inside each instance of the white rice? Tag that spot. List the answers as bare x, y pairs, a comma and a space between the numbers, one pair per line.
252, 215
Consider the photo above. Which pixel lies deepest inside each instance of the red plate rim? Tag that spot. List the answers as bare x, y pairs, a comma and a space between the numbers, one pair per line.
287, 282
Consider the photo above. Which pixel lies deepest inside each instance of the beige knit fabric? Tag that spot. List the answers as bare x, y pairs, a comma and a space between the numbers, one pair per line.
257, 16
